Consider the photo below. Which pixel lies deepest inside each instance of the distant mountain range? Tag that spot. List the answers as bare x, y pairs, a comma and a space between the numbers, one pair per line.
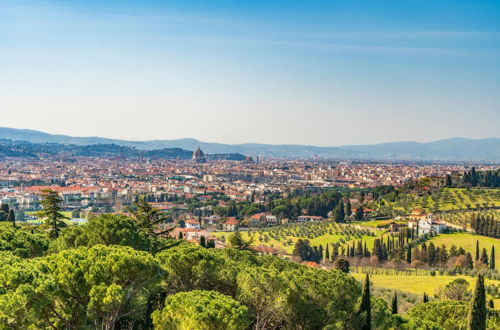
454, 149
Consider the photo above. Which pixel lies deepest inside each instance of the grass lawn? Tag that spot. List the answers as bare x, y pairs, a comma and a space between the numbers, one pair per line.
468, 242
419, 284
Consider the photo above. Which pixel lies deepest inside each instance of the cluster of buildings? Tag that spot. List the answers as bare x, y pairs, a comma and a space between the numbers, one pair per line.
98, 184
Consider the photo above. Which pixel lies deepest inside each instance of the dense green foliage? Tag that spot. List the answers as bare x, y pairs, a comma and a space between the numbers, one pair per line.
114, 272
106, 229
22, 243
201, 310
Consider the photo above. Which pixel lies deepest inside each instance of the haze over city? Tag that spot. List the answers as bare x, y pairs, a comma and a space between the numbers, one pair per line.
322, 73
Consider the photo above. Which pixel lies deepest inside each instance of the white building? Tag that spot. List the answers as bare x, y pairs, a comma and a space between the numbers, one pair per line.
427, 224
192, 224
309, 218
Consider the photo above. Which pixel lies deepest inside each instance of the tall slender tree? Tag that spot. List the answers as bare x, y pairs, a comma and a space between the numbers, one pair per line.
395, 303
477, 250
348, 208
492, 258
426, 298
408, 254
365, 306
478, 311
12, 217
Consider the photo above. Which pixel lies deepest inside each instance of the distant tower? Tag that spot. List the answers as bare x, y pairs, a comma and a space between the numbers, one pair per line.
199, 156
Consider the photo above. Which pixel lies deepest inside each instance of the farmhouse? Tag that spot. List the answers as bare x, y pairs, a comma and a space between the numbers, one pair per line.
309, 218
192, 224
262, 219
427, 224
231, 224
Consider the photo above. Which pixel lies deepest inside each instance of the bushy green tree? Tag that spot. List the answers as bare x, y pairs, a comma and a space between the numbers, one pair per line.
458, 289
22, 243
79, 288
106, 229
236, 241
201, 310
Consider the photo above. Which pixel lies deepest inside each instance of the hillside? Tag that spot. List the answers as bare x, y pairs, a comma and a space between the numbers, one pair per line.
10, 148
454, 149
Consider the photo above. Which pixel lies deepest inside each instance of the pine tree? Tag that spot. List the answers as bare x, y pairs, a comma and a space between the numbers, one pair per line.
395, 303
478, 311
492, 258
365, 307
51, 211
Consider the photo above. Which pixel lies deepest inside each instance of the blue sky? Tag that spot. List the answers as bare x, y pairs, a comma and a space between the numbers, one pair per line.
308, 72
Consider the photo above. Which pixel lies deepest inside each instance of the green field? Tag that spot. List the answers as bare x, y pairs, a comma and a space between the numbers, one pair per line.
468, 242
285, 237
420, 284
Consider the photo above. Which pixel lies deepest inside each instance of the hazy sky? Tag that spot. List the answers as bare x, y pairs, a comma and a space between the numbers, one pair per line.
308, 72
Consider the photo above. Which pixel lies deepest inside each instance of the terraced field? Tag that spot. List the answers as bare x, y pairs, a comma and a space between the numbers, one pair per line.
449, 199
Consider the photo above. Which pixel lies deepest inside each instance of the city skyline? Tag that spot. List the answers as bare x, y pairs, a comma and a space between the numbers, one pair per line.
315, 73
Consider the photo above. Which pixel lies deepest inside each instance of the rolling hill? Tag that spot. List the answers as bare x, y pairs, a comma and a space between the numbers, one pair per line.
453, 149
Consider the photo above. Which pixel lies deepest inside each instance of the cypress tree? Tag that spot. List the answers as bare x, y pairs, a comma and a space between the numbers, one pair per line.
491, 304
478, 312
12, 217
365, 307
449, 182
484, 257
348, 208
203, 242
477, 250
426, 298
395, 303
327, 253
359, 215
492, 258
408, 255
